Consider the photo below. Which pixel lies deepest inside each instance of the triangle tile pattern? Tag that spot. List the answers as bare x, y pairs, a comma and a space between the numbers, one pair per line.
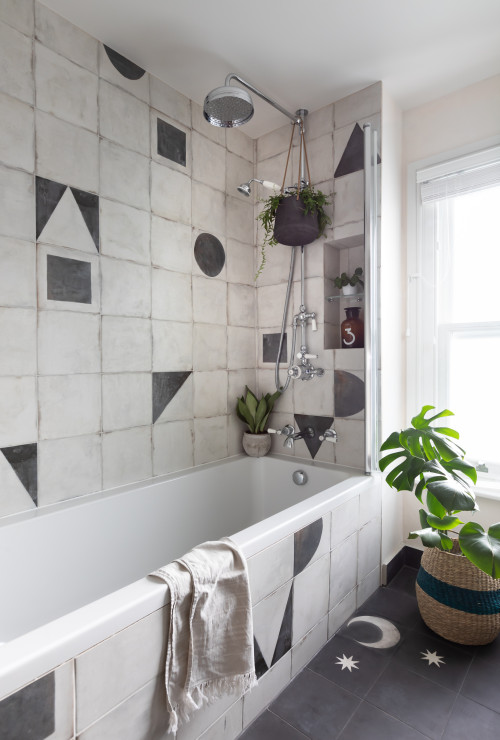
88, 203
23, 460
319, 423
48, 195
284, 643
352, 159
349, 393
276, 643
165, 386
124, 66
306, 542
66, 226
59, 211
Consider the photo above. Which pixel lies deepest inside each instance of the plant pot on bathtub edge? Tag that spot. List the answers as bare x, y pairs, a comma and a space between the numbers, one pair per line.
255, 413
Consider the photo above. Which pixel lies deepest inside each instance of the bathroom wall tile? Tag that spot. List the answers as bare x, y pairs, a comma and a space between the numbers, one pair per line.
126, 344
58, 34
207, 715
350, 442
209, 162
313, 294
18, 341
66, 217
344, 521
171, 296
170, 142
273, 143
141, 715
272, 623
209, 347
235, 429
57, 144
270, 685
270, 303
319, 122
16, 76
172, 346
209, 300
311, 543
18, 415
240, 347
69, 405
241, 305
201, 125
309, 645
349, 198
240, 260
227, 727
343, 574
68, 468
17, 145
171, 245
68, 342
237, 380
173, 446
277, 267
126, 400
126, 288
126, 456
209, 254
238, 170
210, 439
369, 548
210, 393
68, 280
17, 277
19, 14
349, 359
170, 102
123, 118
370, 503
239, 143
209, 209
170, 193
338, 615
117, 667
273, 169
124, 175
239, 219
320, 156
18, 204
358, 105
180, 406
124, 232
314, 396
270, 568
368, 586
65, 89
266, 384
310, 597
138, 87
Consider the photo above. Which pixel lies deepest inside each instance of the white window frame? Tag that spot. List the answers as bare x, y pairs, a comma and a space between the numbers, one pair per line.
422, 377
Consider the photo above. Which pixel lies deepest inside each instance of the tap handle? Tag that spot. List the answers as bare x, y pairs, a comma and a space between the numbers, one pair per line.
314, 325
273, 431
329, 436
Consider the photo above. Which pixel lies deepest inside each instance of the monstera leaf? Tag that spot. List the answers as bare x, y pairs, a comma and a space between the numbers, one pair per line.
482, 548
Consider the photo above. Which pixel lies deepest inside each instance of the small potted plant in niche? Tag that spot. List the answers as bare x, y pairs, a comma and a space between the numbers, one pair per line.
457, 589
348, 285
255, 413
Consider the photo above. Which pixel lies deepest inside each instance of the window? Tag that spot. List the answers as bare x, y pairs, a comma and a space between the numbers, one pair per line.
454, 300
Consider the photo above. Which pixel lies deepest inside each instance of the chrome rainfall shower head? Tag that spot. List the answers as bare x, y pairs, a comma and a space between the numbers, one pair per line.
228, 106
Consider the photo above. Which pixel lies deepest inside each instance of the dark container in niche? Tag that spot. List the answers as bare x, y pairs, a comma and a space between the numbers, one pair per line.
171, 142
209, 254
124, 66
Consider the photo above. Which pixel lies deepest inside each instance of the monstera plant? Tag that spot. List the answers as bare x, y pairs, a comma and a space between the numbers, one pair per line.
431, 463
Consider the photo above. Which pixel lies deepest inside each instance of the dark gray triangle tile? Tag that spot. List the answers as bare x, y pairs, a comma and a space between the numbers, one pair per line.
349, 394
48, 195
319, 423
124, 66
471, 720
352, 159
30, 712
270, 727
165, 386
23, 459
414, 700
284, 643
315, 706
260, 664
88, 203
306, 542
373, 724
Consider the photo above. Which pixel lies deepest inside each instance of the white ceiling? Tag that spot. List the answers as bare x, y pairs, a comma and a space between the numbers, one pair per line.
302, 54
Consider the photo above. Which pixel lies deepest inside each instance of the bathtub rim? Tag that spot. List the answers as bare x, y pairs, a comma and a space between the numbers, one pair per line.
30, 656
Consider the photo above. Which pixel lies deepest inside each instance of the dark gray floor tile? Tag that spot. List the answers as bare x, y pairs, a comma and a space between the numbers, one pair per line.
448, 665
315, 706
393, 605
423, 629
471, 720
412, 699
358, 680
482, 682
373, 724
404, 581
490, 651
270, 727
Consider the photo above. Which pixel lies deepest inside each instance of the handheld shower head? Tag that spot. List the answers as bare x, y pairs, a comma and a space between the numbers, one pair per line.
245, 188
228, 106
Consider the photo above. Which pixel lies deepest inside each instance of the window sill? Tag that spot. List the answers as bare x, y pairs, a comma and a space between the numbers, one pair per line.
488, 489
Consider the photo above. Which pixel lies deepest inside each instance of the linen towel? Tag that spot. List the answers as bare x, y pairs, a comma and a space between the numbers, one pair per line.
210, 641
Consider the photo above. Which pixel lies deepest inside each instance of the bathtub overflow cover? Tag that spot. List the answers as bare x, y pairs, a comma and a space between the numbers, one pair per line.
299, 477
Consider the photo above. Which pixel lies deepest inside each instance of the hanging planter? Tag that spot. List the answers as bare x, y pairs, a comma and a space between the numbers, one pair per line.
295, 216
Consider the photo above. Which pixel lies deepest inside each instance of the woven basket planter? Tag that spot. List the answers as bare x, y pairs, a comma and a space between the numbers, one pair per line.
457, 600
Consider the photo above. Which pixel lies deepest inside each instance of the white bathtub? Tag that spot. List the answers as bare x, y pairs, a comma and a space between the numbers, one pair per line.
73, 574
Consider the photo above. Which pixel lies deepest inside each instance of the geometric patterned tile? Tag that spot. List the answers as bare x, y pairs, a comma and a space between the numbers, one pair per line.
209, 254
30, 712
23, 460
165, 386
124, 66
349, 392
306, 542
171, 142
319, 424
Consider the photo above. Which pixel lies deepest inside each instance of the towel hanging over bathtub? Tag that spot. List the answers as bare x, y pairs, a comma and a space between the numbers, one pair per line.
210, 640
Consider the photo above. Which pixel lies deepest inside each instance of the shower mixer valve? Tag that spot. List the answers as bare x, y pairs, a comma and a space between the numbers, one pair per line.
305, 370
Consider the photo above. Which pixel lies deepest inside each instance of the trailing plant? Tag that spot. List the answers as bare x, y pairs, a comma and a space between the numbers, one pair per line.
255, 412
344, 278
314, 201
431, 463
